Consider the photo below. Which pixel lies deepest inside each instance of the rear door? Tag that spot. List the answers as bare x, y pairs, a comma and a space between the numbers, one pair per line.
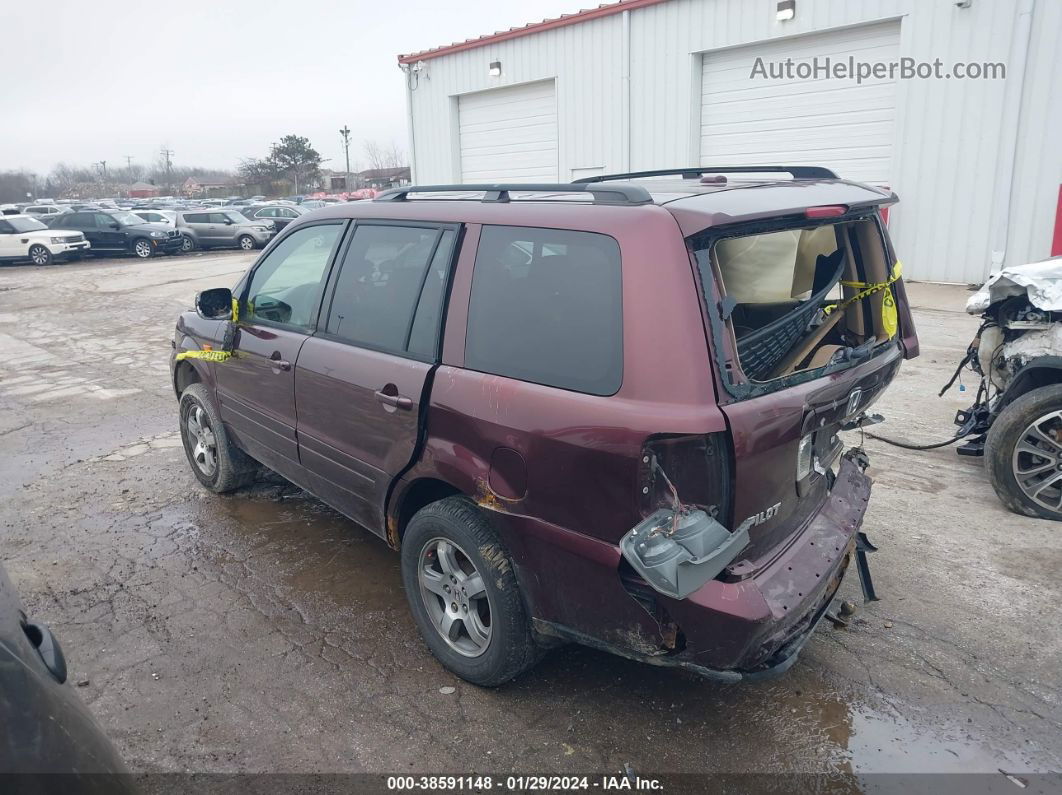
279, 306
785, 418
85, 223
199, 224
360, 381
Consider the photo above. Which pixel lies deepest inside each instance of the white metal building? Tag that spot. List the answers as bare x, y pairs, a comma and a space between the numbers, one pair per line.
645, 84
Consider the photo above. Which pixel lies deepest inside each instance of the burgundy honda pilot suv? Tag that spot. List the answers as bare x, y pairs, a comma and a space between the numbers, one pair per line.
604, 412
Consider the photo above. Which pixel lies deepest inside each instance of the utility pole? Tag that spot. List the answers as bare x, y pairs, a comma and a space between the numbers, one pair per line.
167, 154
128, 161
345, 132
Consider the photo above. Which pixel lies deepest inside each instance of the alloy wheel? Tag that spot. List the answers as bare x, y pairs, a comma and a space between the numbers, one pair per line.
142, 249
202, 440
40, 256
1037, 461
455, 597
246, 243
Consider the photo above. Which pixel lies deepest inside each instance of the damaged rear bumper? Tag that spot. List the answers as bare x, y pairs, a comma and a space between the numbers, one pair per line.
755, 628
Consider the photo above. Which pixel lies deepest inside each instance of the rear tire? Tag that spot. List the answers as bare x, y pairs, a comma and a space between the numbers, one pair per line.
1023, 454
216, 462
486, 653
39, 255
247, 243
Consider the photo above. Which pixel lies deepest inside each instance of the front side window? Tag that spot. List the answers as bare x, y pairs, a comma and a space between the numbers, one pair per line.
546, 307
286, 286
384, 272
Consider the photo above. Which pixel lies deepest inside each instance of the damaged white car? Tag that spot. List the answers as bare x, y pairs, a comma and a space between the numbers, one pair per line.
1016, 421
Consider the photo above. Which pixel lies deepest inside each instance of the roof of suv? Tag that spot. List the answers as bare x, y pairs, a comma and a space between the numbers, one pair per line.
696, 204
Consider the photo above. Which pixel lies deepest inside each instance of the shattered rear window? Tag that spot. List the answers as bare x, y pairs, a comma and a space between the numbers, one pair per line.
785, 293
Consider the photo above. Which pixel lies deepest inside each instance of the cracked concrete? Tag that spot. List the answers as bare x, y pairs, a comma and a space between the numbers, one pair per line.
263, 632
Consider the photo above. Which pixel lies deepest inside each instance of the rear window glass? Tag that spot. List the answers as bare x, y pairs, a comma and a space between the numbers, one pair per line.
793, 296
546, 307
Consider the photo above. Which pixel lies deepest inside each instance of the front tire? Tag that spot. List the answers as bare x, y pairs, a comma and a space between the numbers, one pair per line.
1023, 454
247, 243
39, 255
187, 244
464, 595
216, 462
142, 248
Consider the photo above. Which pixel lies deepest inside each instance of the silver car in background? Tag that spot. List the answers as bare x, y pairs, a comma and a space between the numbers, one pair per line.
221, 228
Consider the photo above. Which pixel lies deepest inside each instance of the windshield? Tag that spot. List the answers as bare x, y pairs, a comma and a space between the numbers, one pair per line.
127, 219
25, 224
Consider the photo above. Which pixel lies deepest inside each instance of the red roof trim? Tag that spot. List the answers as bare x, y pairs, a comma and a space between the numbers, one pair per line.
533, 27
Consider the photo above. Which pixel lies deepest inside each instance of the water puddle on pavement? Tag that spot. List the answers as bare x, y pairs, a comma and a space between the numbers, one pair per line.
322, 562
316, 552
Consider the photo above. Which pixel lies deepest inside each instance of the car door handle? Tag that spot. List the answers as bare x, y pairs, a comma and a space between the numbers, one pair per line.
279, 363
398, 401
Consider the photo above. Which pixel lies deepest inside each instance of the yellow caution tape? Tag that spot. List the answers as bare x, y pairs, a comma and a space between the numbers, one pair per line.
889, 320
210, 356
213, 356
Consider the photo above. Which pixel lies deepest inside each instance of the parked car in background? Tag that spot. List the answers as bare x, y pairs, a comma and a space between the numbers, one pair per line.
279, 215
120, 232
23, 237
10, 209
313, 204
623, 432
47, 730
220, 228
168, 217
44, 209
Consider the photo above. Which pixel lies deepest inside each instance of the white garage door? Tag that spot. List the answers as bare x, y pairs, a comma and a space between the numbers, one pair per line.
844, 125
509, 134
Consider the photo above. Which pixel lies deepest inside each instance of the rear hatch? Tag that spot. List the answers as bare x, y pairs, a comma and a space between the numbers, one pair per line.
808, 322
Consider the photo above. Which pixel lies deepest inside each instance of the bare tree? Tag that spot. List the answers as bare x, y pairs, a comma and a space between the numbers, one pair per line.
382, 156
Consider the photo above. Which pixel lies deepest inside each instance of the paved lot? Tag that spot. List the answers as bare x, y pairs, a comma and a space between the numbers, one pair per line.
263, 632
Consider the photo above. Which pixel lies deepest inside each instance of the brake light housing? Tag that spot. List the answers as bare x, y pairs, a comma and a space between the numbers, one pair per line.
826, 211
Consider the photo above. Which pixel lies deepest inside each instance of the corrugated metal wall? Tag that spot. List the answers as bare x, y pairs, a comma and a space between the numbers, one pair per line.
949, 133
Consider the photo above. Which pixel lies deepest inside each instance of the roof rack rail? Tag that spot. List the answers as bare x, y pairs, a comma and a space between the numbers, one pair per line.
695, 172
628, 195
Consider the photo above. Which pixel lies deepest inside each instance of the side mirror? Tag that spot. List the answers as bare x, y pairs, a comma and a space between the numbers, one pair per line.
229, 222
215, 304
114, 225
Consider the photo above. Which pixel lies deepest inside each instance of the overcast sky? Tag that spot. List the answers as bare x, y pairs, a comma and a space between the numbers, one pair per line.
218, 81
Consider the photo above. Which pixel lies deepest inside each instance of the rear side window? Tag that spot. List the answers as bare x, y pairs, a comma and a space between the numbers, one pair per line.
378, 291
546, 307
